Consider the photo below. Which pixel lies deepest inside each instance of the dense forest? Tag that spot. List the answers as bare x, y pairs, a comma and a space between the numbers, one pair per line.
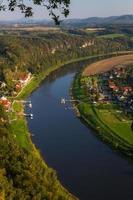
23, 175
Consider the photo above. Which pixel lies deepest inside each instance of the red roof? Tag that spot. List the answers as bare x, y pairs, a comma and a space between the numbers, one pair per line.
24, 76
112, 86
126, 89
5, 102
115, 87
18, 86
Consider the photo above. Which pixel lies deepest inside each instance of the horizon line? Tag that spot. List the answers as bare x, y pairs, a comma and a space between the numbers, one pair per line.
71, 18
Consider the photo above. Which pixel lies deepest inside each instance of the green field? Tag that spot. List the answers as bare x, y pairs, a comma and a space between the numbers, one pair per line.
109, 121
18, 126
112, 36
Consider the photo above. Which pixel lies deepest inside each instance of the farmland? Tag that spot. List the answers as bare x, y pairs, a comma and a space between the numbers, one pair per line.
107, 64
112, 36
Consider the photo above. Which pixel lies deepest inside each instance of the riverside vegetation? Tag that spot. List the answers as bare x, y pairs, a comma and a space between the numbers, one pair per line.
23, 173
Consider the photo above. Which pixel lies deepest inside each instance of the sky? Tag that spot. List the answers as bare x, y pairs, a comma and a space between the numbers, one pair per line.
81, 9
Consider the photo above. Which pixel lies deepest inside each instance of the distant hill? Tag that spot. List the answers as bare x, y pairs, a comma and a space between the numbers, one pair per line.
99, 21
91, 22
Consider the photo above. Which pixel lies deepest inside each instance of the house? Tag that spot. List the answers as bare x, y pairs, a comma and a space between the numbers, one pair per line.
88, 44
2, 120
127, 89
115, 88
2, 84
18, 87
5, 103
111, 77
24, 78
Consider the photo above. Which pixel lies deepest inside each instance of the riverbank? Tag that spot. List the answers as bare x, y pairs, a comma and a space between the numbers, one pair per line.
110, 124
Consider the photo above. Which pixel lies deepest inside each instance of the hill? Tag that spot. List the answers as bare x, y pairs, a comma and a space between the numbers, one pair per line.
77, 23
99, 21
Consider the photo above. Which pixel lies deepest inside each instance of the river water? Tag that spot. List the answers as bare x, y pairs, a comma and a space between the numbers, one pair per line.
87, 167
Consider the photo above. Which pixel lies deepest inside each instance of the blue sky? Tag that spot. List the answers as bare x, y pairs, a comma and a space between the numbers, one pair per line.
91, 8
83, 9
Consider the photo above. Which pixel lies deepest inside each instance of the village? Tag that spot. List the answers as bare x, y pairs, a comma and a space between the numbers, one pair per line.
7, 101
112, 87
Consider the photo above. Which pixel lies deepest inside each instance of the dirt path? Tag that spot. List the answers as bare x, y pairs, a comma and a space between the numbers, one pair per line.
108, 64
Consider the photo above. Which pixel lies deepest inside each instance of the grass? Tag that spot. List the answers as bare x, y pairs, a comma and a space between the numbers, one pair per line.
17, 106
27, 89
18, 126
120, 128
19, 130
107, 124
112, 36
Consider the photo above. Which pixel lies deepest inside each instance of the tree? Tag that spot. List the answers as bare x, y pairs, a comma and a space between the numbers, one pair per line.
62, 6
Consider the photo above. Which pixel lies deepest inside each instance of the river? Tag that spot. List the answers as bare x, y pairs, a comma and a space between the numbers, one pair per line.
87, 167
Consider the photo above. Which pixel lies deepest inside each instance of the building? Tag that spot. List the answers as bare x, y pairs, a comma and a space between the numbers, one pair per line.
5, 103
25, 78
